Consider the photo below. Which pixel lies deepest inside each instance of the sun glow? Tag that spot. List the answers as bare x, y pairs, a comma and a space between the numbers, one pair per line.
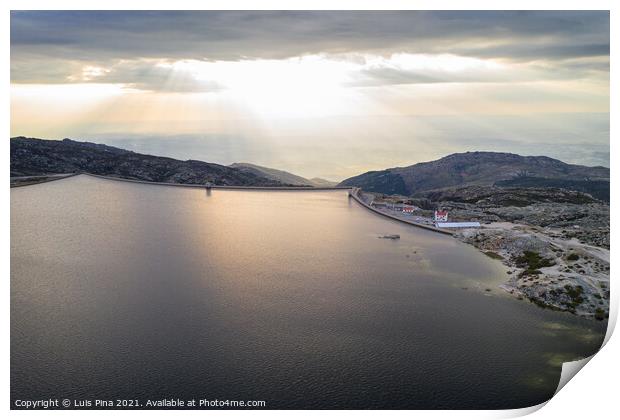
311, 85
302, 86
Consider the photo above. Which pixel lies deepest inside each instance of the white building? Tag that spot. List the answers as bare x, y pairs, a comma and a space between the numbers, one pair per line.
441, 216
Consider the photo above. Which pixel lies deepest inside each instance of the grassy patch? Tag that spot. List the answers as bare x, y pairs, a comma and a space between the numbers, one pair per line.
543, 304
493, 255
575, 294
600, 314
532, 261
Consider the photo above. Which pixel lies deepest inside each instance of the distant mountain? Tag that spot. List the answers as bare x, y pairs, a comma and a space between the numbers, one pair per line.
281, 176
476, 168
320, 182
38, 157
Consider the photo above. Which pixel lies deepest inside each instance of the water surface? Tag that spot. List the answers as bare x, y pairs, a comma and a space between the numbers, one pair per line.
124, 290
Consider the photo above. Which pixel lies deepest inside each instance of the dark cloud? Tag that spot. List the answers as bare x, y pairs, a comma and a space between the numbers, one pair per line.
385, 75
104, 38
236, 34
388, 75
545, 51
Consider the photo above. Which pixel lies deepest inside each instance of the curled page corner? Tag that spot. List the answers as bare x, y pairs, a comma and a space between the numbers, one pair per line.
611, 323
569, 370
521, 412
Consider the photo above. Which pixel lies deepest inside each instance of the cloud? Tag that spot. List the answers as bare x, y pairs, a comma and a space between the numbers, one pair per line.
150, 76
104, 36
388, 73
422, 69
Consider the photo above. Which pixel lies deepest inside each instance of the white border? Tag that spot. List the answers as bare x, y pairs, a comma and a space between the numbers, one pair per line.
591, 395
312, 5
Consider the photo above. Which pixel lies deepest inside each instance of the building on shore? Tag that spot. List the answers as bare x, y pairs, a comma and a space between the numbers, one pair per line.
441, 216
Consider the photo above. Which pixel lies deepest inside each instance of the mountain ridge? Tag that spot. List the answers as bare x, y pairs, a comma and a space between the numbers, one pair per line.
472, 168
32, 156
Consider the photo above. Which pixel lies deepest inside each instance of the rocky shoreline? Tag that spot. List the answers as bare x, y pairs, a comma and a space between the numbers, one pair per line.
546, 269
553, 242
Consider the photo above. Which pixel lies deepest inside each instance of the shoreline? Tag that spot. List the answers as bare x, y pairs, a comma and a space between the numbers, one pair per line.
24, 181
551, 272
354, 194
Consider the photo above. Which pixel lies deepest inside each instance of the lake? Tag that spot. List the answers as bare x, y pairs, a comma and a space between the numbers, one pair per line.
131, 291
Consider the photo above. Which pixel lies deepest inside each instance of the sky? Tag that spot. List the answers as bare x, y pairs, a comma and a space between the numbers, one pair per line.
328, 94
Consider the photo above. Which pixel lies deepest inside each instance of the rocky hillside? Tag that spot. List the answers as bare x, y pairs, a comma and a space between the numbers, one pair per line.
475, 168
572, 213
39, 157
599, 189
282, 176
493, 196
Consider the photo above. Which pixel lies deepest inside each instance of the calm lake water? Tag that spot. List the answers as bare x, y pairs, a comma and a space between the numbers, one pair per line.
133, 291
